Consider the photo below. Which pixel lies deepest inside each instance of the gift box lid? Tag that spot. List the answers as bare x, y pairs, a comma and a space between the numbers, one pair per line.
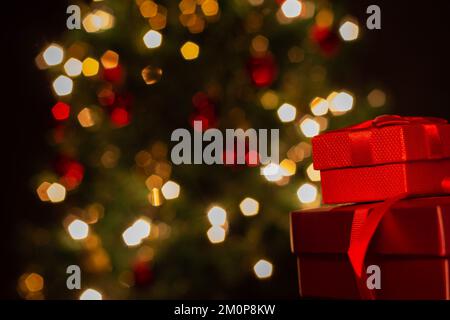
386, 139
419, 226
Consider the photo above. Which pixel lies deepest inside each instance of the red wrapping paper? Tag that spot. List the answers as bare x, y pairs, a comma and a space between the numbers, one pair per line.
381, 158
411, 243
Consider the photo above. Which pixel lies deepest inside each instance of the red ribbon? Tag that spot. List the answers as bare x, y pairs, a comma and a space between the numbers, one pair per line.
393, 120
365, 223
360, 136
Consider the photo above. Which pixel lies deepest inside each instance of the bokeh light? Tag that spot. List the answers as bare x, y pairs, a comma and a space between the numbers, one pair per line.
249, 207
307, 193
263, 269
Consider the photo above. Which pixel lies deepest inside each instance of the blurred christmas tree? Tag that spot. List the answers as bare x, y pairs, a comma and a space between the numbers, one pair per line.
141, 227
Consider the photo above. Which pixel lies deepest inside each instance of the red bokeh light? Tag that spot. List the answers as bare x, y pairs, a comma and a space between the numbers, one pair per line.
61, 111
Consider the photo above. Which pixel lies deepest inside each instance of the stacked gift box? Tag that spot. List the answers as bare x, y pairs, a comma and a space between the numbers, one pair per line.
387, 179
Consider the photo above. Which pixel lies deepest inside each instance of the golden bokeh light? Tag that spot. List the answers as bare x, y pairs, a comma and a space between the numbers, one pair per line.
110, 59
90, 67
376, 98
313, 174
190, 50
42, 191
154, 181
148, 9
269, 100
155, 198
288, 167
319, 106
210, 7
324, 18
249, 207
34, 282
86, 118
56, 192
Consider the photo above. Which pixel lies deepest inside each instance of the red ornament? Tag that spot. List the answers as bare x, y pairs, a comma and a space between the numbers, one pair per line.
143, 275
61, 111
326, 39
263, 70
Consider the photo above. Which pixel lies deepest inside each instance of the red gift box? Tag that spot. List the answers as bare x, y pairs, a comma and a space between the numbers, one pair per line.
384, 157
410, 243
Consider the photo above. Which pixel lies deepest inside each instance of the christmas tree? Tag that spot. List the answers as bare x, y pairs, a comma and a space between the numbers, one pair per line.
138, 225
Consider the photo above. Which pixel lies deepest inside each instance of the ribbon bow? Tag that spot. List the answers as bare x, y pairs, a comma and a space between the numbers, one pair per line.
393, 120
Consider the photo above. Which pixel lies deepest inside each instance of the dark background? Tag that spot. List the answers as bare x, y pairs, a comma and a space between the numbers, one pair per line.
409, 56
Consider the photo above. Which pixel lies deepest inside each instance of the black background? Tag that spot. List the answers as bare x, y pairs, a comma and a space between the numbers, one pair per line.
409, 55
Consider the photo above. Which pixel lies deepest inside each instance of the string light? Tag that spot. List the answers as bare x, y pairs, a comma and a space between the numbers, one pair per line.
291, 8
78, 229
86, 118
92, 23
152, 39
148, 9
272, 172
307, 193
154, 181
210, 7
288, 167
61, 111
42, 191
309, 127
263, 269
319, 106
90, 67
313, 174
137, 232
170, 190
287, 112
249, 207
216, 234
34, 282
217, 216
56, 192
63, 86
110, 59
91, 294
190, 50
73, 67
340, 102
53, 55
349, 30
